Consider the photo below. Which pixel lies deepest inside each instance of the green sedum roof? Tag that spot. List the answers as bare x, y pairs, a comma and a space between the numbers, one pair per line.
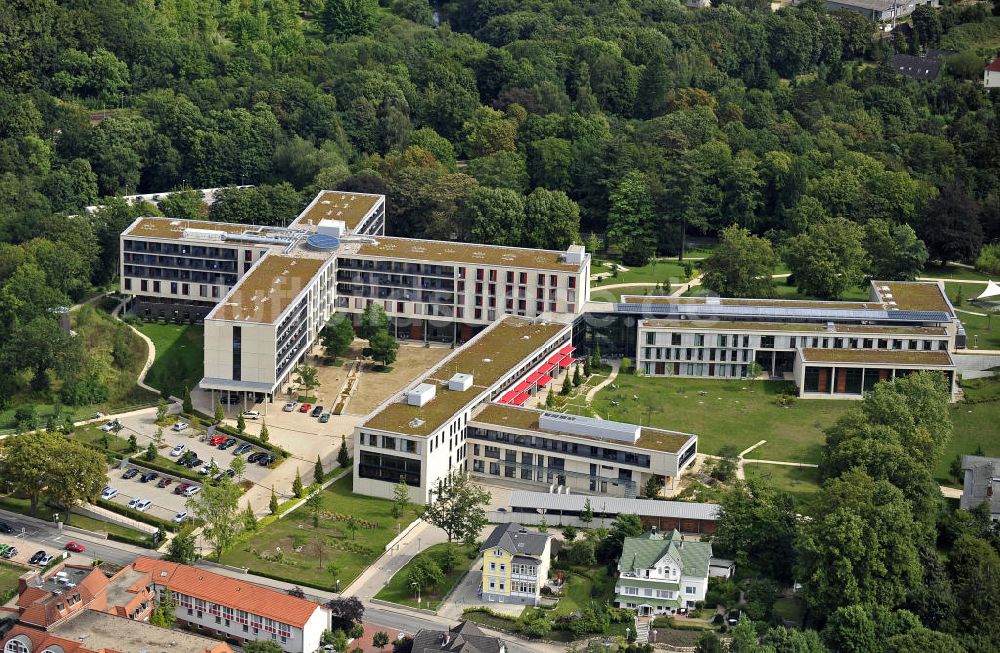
644, 551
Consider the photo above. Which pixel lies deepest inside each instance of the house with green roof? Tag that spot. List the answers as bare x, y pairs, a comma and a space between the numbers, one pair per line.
659, 574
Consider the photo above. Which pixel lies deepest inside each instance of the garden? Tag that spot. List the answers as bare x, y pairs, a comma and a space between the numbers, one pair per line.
436, 571
346, 534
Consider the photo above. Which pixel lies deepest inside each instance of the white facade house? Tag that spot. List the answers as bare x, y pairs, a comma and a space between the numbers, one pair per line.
659, 574
991, 75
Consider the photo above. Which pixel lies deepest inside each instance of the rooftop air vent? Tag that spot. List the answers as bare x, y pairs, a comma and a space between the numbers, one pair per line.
420, 395
460, 382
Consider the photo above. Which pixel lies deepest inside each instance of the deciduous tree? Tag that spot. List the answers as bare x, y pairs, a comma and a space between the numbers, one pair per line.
217, 505
741, 266
458, 507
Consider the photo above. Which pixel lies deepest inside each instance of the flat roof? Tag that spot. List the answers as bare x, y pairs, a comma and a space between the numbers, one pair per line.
614, 505
336, 205
913, 295
268, 289
442, 251
731, 301
488, 357
878, 356
154, 227
784, 326
528, 420
98, 631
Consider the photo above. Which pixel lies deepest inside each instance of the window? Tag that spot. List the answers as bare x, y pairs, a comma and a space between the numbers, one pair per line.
503, 567
18, 644
690, 590
493, 565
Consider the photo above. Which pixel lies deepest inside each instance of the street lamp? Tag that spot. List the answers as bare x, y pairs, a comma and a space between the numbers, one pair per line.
417, 587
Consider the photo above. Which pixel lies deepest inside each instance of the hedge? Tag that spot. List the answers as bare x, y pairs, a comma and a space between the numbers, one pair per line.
293, 581
144, 542
138, 516
163, 469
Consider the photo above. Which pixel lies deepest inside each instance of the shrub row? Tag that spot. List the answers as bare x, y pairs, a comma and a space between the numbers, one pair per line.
138, 516
144, 541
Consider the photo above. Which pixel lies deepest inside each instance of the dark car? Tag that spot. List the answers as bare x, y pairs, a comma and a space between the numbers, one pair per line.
9, 553
230, 442
242, 449
317, 411
148, 476
255, 456
265, 460
194, 462
180, 488
230, 473
131, 472
38, 556
164, 482
5, 527
733, 617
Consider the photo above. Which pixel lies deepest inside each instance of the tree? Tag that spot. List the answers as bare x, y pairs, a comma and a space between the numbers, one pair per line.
262, 646
239, 467
318, 471
307, 377
757, 527
383, 348
494, 216
950, 225
551, 220
425, 573
631, 219
458, 508
297, 489
894, 251
828, 258
577, 376
249, 519
158, 437
400, 498
133, 443
927, 26
150, 454
587, 515
653, 486
380, 640
48, 465
220, 414
314, 502
569, 532
741, 266
343, 456
217, 505
187, 405
183, 205
264, 434
272, 505
567, 385
624, 525
373, 321
337, 335
348, 610
161, 409
163, 614
347, 18
241, 423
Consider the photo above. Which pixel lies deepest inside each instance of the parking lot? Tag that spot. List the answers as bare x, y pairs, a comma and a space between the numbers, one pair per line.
165, 503
30, 536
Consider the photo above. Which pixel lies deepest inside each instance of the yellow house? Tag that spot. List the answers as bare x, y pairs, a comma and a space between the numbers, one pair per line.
515, 565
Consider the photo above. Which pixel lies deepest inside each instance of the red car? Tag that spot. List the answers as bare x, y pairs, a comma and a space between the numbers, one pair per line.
305, 408
74, 547
217, 439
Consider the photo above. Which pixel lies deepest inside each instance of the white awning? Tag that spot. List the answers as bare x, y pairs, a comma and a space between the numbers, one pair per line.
992, 291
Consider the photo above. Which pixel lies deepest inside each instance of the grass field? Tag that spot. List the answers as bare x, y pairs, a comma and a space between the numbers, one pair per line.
737, 412
8, 577
293, 550
614, 294
179, 361
21, 506
398, 589
668, 271
952, 272
800, 482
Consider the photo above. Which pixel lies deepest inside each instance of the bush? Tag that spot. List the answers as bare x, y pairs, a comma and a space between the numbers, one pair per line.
144, 542
163, 469
138, 516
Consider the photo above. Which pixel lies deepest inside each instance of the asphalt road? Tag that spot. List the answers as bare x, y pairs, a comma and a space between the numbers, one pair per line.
32, 535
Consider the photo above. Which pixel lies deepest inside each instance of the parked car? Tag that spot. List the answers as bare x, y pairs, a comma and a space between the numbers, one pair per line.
231, 473
9, 553
266, 460
75, 547
178, 450
255, 456
143, 505
131, 472
289, 407
733, 617
317, 410
45, 559
134, 503
5, 527
207, 468
109, 493
216, 440
242, 449
149, 476
230, 442
179, 517
194, 462
324, 418
251, 414
305, 408
180, 488
38, 556
111, 426
164, 482
192, 490
180, 426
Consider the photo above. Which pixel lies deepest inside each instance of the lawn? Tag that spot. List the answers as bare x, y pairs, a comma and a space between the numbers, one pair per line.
979, 329
952, 272
736, 412
179, 361
398, 589
599, 294
800, 482
783, 291
975, 426
789, 609
292, 549
662, 271
8, 578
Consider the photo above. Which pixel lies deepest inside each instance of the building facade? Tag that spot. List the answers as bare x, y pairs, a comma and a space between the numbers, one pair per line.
515, 565
991, 74
660, 574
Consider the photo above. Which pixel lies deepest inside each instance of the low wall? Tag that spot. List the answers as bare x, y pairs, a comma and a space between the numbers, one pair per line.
97, 512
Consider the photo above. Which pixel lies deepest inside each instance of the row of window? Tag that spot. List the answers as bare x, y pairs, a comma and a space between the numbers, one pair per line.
231, 614
723, 340
550, 444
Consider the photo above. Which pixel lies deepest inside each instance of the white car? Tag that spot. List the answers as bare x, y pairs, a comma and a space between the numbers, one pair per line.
109, 493
289, 407
110, 426
180, 426
193, 490
143, 505
178, 450
134, 502
179, 517
251, 414
45, 559
208, 468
